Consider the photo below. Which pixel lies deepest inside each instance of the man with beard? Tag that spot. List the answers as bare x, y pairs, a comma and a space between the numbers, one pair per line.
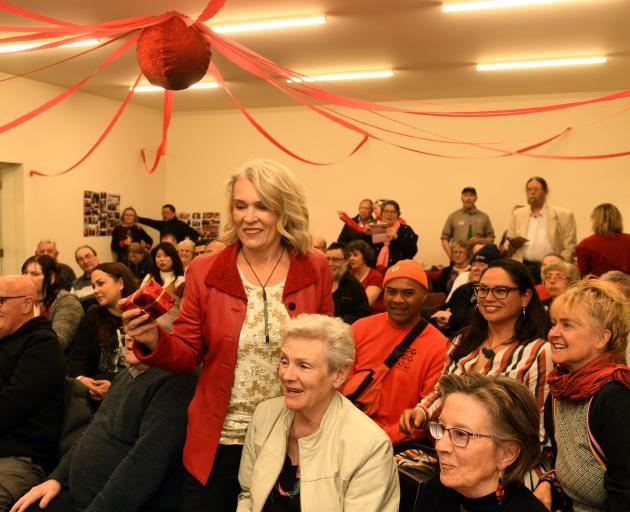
415, 373
351, 302
541, 228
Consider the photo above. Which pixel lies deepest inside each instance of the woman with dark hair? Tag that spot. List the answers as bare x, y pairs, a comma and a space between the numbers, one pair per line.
486, 440
608, 248
97, 354
61, 307
401, 243
362, 267
504, 337
128, 232
165, 268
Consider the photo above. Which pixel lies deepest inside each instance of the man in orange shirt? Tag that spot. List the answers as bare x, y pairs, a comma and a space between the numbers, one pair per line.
414, 375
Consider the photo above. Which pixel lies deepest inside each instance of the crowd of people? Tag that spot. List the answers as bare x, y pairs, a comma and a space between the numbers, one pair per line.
292, 374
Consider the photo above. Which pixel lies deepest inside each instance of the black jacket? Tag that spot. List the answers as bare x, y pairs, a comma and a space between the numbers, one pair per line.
32, 371
175, 227
404, 247
351, 302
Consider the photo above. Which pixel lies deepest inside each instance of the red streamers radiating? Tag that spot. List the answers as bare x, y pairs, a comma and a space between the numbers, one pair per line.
174, 52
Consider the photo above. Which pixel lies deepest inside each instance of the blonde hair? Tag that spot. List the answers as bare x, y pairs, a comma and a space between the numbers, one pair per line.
282, 195
187, 243
568, 269
334, 332
607, 219
607, 309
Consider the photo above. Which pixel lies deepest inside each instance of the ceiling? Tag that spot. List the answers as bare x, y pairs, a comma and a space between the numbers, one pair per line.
431, 53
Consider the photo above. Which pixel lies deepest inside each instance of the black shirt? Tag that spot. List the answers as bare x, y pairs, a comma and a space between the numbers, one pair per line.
285, 495
175, 227
351, 302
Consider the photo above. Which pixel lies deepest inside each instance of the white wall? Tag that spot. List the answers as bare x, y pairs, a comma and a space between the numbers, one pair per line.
52, 207
206, 147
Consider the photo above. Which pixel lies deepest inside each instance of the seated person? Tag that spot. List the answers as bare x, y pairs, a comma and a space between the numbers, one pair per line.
588, 411
351, 302
460, 262
557, 278
549, 258
96, 355
32, 371
129, 457
186, 252
312, 450
61, 307
486, 439
86, 258
457, 311
138, 261
66, 274
619, 280
415, 373
361, 262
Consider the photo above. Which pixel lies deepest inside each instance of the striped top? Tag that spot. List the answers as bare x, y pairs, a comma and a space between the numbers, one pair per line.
528, 363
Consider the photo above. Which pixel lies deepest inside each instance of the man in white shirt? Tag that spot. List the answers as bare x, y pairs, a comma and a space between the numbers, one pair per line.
547, 228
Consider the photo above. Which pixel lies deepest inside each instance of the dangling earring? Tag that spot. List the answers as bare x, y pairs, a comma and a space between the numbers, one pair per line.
524, 312
500, 492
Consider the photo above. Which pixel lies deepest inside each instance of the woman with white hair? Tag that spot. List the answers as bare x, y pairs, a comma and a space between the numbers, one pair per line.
230, 317
312, 449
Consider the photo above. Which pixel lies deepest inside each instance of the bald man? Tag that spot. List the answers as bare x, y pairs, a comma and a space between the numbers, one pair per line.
32, 371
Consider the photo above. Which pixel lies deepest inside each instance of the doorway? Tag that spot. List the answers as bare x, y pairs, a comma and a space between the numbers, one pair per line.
11, 218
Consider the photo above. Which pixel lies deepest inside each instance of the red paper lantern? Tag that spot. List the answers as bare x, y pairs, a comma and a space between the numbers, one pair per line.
173, 55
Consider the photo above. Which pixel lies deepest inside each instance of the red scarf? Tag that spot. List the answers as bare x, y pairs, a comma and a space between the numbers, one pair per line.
589, 380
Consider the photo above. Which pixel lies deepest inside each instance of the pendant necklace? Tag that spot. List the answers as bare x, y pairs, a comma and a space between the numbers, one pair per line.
264, 292
488, 352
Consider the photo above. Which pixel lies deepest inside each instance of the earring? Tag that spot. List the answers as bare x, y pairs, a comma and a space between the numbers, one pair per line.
500, 492
524, 312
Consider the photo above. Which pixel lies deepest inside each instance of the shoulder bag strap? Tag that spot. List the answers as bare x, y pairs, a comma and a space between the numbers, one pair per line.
397, 353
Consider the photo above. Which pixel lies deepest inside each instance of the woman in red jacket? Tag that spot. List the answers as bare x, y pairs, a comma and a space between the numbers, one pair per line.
234, 304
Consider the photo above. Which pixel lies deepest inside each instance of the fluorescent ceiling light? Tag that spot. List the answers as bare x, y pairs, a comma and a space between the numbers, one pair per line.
494, 4
19, 47
331, 77
547, 63
269, 24
198, 85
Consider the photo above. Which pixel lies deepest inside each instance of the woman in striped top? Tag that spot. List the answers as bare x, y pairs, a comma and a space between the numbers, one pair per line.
504, 337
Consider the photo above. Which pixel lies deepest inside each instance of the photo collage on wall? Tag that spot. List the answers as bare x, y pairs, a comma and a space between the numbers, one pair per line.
205, 223
101, 213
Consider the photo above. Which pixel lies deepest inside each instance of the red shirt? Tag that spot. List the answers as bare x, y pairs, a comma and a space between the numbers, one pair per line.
414, 375
597, 254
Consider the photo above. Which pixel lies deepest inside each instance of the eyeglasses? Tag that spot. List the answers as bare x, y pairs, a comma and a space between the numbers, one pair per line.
499, 292
4, 299
459, 437
335, 259
552, 277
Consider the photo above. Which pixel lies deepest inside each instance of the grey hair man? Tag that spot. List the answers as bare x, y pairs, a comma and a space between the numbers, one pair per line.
48, 247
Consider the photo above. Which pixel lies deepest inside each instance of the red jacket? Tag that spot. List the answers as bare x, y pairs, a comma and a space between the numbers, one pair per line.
208, 330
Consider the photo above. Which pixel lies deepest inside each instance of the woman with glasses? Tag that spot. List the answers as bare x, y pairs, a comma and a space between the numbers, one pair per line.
588, 413
402, 241
504, 337
61, 307
557, 278
230, 317
486, 438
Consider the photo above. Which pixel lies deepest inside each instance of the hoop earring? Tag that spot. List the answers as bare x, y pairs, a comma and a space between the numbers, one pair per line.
500, 492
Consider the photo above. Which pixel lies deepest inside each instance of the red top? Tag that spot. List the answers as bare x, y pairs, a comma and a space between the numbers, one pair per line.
208, 330
375, 278
598, 254
414, 375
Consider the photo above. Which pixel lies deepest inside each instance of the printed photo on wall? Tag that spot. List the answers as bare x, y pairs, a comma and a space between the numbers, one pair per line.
205, 223
101, 213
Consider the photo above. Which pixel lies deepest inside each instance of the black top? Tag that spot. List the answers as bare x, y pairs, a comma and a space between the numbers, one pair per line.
462, 304
175, 227
348, 234
609, 417
95, 351
66, 276
351, 302
285, 495
141, 269
119, 236
434, 496
404, 247
32, 371
129, 458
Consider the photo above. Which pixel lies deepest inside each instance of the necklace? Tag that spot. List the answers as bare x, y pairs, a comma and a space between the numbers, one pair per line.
264, 292
489, 352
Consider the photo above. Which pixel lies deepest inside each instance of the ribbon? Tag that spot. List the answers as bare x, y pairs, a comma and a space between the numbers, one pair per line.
166, 121
148, 306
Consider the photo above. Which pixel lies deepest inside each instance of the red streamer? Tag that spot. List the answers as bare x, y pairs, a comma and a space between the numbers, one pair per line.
166, 121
